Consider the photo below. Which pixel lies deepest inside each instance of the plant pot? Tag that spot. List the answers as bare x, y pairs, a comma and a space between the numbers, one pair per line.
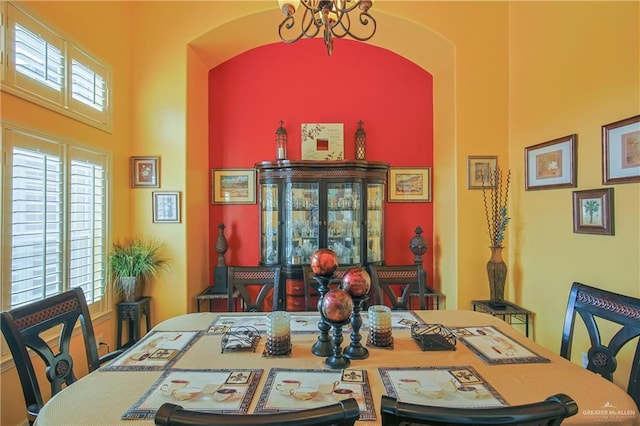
131, 289
497, 274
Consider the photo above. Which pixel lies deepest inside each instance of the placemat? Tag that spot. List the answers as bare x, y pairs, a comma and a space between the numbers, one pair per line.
158, 350
493, 347
290, 390
454, 386
221, 391
305, 323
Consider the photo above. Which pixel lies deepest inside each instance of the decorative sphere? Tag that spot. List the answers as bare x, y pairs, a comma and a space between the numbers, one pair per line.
324, 262
337, 305
356, 281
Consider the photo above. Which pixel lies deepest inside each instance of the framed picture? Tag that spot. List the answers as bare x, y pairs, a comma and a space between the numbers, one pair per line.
593, 211
409, 184
145, 172
552, 164
322, 141
621, 151
233, 186
166, 207
478, 168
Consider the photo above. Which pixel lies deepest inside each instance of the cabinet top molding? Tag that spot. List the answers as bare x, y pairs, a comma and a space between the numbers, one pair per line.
323, 169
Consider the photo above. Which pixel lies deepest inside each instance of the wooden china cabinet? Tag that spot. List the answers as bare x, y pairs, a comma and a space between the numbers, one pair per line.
307, 205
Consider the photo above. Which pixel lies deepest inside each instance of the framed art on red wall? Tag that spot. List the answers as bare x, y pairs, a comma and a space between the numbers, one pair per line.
233, 186
409, 184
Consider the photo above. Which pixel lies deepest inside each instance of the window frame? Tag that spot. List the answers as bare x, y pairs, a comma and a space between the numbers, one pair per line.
32, 90
68, 148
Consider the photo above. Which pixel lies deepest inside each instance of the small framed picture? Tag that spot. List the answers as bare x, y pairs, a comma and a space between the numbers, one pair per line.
593, 211
145, 172
322, 141
552, 164
166, 207
621, 151
409, 184
478, 168
233, 186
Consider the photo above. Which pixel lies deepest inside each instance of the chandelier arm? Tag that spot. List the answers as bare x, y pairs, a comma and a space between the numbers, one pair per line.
309, 27
330, 16
366, 21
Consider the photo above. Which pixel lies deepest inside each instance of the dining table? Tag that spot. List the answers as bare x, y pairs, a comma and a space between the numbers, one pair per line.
219, 361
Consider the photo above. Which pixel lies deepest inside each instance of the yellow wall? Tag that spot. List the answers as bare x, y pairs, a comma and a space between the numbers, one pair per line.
539, 82
573, 68
108, 38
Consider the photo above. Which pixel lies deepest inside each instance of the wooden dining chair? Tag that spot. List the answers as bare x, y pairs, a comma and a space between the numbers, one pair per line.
311, 286
23, 327
256, 288
343, 413
594, 305
551, 411
394, 285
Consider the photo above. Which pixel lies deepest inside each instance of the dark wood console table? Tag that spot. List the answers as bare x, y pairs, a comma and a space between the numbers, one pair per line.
512, 313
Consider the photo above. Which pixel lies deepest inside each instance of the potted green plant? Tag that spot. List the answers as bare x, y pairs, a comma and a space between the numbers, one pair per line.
133, 262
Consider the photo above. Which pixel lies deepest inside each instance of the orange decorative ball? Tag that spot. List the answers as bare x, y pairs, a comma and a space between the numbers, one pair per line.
337, 305
324, 262
356, 281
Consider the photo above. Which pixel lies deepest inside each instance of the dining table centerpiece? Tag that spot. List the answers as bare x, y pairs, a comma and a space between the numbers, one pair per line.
323, 263
134, 262
495, 195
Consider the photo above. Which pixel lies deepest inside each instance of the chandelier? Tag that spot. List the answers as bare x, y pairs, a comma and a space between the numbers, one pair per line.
331, 16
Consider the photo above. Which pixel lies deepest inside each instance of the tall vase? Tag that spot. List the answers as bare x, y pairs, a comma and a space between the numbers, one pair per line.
497, 274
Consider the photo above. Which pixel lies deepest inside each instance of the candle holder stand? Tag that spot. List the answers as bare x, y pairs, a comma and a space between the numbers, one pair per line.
323, 346
337, 361
355, 350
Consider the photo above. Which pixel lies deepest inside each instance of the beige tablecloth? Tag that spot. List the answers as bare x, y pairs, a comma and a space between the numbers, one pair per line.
103, 396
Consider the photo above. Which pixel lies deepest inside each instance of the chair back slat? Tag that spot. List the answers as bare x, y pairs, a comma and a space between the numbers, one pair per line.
592, 305
551, 411
258, 288
343, 413
387, 280
22, 328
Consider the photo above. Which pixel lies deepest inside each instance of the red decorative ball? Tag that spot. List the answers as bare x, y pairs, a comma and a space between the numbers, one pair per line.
324, 262
356, 281
337, 305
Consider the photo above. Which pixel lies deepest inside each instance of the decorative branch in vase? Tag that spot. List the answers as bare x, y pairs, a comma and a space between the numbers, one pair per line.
495, 194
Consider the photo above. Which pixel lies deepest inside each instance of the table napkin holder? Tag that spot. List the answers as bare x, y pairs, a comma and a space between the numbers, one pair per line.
242, 338
433, 337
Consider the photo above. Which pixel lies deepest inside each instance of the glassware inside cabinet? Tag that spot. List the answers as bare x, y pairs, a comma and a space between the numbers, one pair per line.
375, 221
344, 221
302, 235
269, 221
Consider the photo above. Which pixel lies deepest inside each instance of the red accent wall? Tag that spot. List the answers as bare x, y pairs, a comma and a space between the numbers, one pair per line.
299, 83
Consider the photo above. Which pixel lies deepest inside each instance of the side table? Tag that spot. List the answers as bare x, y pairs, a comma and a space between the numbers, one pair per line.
132, 312
512, 313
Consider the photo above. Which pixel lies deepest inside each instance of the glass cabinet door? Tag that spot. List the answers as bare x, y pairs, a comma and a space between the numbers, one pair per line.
302, 232
269, 221
344, 219
375, 222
